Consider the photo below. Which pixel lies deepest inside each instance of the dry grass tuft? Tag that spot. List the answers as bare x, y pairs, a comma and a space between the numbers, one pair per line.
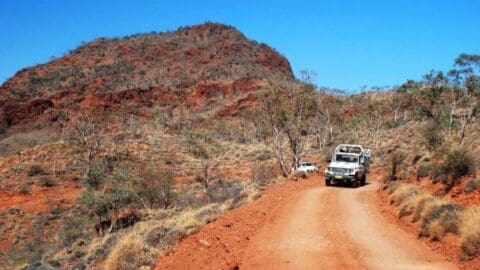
441, 220
411, 203
470, 232
130, 253
424, 206
403, 192
438, 217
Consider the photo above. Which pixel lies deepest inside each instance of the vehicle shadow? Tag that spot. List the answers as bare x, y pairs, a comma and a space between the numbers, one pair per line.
344, 185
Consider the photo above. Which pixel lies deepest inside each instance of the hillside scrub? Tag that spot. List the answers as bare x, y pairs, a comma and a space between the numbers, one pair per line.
148, 239
456, 163
470, 232
438, 217
147, 130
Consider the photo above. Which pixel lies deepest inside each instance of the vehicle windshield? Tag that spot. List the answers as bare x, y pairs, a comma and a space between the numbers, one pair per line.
346, 158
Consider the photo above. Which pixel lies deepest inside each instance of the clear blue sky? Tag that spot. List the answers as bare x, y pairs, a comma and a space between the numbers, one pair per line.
348, 43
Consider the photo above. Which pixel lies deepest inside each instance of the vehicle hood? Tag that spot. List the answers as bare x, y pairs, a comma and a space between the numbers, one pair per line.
344, 165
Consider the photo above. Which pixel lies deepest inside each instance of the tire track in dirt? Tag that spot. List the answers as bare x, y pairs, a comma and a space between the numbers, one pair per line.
384, 244
303, 237
336, 228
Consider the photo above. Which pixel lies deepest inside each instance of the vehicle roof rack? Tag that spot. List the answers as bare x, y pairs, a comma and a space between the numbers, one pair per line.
352, 149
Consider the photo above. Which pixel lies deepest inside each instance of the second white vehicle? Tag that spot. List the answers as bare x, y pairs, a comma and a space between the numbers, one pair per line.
307, 167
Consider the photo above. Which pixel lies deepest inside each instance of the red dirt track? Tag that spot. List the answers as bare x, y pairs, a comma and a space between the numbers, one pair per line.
305, 225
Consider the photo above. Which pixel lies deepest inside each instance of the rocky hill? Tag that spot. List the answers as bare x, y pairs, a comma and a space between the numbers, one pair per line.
189, 66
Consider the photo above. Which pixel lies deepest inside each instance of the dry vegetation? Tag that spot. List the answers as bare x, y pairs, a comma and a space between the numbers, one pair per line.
139, 171
438, 217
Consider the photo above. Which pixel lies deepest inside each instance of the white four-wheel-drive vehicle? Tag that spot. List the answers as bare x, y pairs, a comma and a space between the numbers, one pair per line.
350, 164
307, 167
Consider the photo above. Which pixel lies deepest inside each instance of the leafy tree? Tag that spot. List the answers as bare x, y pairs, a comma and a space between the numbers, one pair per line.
284, 113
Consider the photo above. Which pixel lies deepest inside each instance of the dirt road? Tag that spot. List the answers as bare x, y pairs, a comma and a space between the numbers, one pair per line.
336, 228
305, 226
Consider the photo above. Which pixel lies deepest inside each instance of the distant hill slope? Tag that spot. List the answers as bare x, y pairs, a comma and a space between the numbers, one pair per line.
187, 66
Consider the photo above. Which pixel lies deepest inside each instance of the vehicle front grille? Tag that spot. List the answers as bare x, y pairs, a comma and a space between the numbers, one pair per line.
338, 170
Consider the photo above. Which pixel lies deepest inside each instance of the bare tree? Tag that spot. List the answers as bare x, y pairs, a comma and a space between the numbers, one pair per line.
156, 186
322, 124
88, 135
207, 150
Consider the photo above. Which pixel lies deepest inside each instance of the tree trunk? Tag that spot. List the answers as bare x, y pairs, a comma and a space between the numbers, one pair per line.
279, 152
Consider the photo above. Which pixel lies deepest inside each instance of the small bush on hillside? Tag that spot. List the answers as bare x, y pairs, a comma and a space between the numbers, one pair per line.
74, 227
35, 170
441, 220
163, 238
122, 175
457, 163
23, 188
222, 191
96, 203
96, 176
472, 185
396, 160
423, 170
119, 196
431, 136
157, 187
262, 175
438, 174
46, 181
189, 198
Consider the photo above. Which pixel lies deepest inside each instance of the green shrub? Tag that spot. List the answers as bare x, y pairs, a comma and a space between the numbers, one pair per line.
35, 170
431, 136
73, 228
457, 163
96, 176
96, 203
118, 197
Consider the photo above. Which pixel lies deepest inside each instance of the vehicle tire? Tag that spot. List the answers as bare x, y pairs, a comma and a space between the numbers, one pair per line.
327, 182
364, 180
